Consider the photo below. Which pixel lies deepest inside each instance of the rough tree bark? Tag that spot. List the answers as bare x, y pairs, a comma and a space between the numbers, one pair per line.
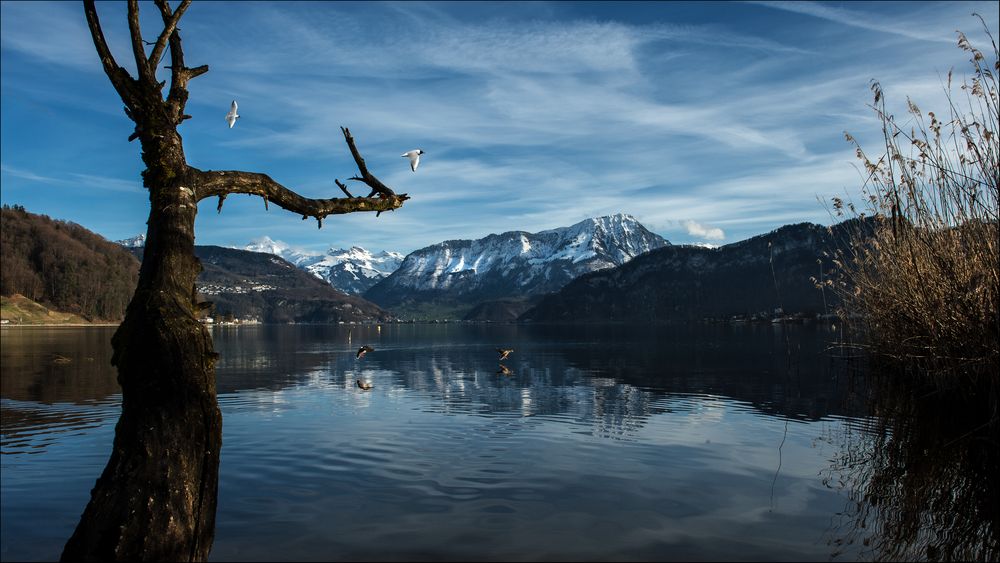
156, 498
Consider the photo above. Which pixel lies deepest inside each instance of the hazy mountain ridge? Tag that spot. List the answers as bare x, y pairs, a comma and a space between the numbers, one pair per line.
514, 264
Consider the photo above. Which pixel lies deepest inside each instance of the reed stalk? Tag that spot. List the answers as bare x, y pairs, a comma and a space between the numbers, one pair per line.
923, 271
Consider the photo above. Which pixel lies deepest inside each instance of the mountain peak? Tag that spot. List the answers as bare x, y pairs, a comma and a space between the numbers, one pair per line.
351, 270
138, 241
516, 263
267, 245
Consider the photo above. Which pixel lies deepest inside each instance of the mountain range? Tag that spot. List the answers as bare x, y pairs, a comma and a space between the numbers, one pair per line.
352, 271
602, 269
506, 272
254, 285
767, 275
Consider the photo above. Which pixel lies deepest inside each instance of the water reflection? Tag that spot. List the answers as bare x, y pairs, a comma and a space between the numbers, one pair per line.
555, 370
675, 442
922, 477
55, 381
57, 365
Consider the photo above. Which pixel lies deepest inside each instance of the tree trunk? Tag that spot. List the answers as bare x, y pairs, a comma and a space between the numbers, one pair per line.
157, 496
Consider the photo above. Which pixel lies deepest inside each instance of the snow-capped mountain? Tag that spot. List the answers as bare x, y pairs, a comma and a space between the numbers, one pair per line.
352, 271
138, 241
300, 258
759, 277
355, 270
514, 264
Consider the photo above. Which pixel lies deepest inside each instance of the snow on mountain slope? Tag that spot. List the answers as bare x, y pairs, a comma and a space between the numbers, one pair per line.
138, 241
352, 271
516, 263
356, 269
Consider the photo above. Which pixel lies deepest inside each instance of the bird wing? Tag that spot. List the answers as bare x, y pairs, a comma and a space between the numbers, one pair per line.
231, 116
414, 161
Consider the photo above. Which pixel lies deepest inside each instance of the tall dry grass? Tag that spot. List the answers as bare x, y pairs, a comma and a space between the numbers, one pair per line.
926, 284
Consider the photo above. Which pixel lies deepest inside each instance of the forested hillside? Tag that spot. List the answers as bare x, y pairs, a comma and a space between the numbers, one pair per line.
242, 284
64, 266
758, 276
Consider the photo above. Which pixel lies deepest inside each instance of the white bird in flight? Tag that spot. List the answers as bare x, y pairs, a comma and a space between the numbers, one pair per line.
414, 157
232, 115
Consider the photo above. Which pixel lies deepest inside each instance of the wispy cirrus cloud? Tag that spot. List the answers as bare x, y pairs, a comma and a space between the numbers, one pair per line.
533, 116
73, 179
863, 20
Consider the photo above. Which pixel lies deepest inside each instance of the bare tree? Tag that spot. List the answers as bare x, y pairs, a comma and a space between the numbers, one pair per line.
156, 498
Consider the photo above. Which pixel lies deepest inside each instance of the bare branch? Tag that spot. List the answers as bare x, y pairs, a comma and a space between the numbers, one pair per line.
138, 51
219, 183
195, 72
342, 187
374, 183
180, 74
119, 77
168, 30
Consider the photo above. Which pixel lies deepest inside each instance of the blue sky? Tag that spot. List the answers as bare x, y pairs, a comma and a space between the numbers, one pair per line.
709, 122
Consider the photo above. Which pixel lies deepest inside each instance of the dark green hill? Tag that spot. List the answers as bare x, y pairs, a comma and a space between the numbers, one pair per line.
63, 266
751, 278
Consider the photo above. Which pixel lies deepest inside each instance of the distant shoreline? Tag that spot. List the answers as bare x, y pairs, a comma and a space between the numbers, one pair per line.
57, 325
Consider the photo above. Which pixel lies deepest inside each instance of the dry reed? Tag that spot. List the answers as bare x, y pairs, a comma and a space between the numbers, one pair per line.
926, 284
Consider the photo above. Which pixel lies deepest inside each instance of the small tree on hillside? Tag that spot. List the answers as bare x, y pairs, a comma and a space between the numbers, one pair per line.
157, 496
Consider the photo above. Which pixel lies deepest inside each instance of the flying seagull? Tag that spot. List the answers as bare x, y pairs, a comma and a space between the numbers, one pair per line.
364, 350
504, 352
414, 157
364, 386
232, 115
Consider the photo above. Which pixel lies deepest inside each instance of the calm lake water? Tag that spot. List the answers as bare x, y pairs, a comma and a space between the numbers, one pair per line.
707, 442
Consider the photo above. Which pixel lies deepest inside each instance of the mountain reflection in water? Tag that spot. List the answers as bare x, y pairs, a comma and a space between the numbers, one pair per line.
602, 442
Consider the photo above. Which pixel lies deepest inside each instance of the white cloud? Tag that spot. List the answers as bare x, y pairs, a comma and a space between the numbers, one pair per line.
696, 229
530, 121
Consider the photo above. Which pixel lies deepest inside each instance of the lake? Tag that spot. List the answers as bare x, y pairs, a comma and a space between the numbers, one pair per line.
710, 442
